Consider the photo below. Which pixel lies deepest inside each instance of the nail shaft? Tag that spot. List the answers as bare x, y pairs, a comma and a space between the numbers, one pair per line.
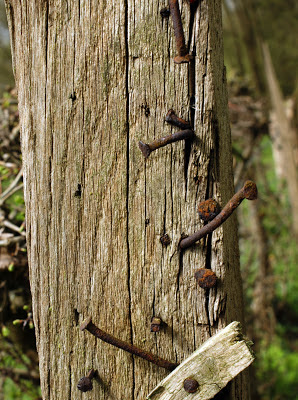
249, 191
178, 27
147, 148
173, 119
182, 56
130, 348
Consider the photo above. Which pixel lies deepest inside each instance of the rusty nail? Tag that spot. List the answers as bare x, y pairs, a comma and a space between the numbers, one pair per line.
165, 240
130, 348
208, 210
157, 143
248, 191
171, 118
182, 56
190, 385
156, 323
205, 278
85, 383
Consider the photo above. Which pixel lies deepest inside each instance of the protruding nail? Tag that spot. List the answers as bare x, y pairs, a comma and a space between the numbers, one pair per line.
147, 148
249, 191
205, 278
156, 323
85, 383
182, 56
208, 210
190, 385
130, 348
171, 118
183, 59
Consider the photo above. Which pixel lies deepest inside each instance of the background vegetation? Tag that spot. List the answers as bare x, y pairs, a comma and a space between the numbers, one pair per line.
268, 242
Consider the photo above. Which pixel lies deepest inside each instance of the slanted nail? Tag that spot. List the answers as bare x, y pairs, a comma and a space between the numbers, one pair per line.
249, 191
173, 119
147, 148
130, 348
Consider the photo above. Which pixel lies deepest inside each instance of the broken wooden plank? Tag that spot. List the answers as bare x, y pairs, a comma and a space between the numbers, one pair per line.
212, 365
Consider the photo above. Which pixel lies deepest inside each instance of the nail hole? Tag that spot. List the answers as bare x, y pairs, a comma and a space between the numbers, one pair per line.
76, 316
146, 109
78, 192
73, 96
165, 12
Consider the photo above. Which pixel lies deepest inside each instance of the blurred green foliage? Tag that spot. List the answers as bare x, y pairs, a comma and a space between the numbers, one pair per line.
278, 24
276, 365
275, 22
277, 371
21, 389
16, 200
27, 391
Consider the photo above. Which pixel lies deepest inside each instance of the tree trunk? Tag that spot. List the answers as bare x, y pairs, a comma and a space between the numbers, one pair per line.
284, 137
93, 79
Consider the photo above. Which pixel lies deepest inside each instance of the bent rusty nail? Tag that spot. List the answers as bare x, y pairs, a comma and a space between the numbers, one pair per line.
173, 119
130, 348
183, 56
249, 191
147, 148
85, 383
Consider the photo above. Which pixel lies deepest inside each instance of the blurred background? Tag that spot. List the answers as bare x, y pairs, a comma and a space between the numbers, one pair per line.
261, 56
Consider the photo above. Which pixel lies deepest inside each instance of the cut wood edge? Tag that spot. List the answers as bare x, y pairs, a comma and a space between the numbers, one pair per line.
212, 365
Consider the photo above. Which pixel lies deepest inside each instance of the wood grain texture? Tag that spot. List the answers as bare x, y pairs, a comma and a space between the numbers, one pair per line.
212, 366
94, 78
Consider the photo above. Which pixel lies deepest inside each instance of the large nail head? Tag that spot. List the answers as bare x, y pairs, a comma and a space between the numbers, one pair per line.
208, 210
85, 383
145, 149
250, 190
206, 278
190, 385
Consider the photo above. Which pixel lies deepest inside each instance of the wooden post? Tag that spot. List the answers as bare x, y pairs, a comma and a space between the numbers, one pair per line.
94, 78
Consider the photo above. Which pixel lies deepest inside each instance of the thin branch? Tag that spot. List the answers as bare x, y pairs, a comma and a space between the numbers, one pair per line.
13, 240
4, 198
14, 227
16, 373
11, 187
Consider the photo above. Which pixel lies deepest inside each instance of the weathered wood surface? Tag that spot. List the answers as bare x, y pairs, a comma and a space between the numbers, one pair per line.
94, 78
213, 365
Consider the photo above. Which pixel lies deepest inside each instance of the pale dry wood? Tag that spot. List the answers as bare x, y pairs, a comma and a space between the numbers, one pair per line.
212, 365
287, 143
94, 78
